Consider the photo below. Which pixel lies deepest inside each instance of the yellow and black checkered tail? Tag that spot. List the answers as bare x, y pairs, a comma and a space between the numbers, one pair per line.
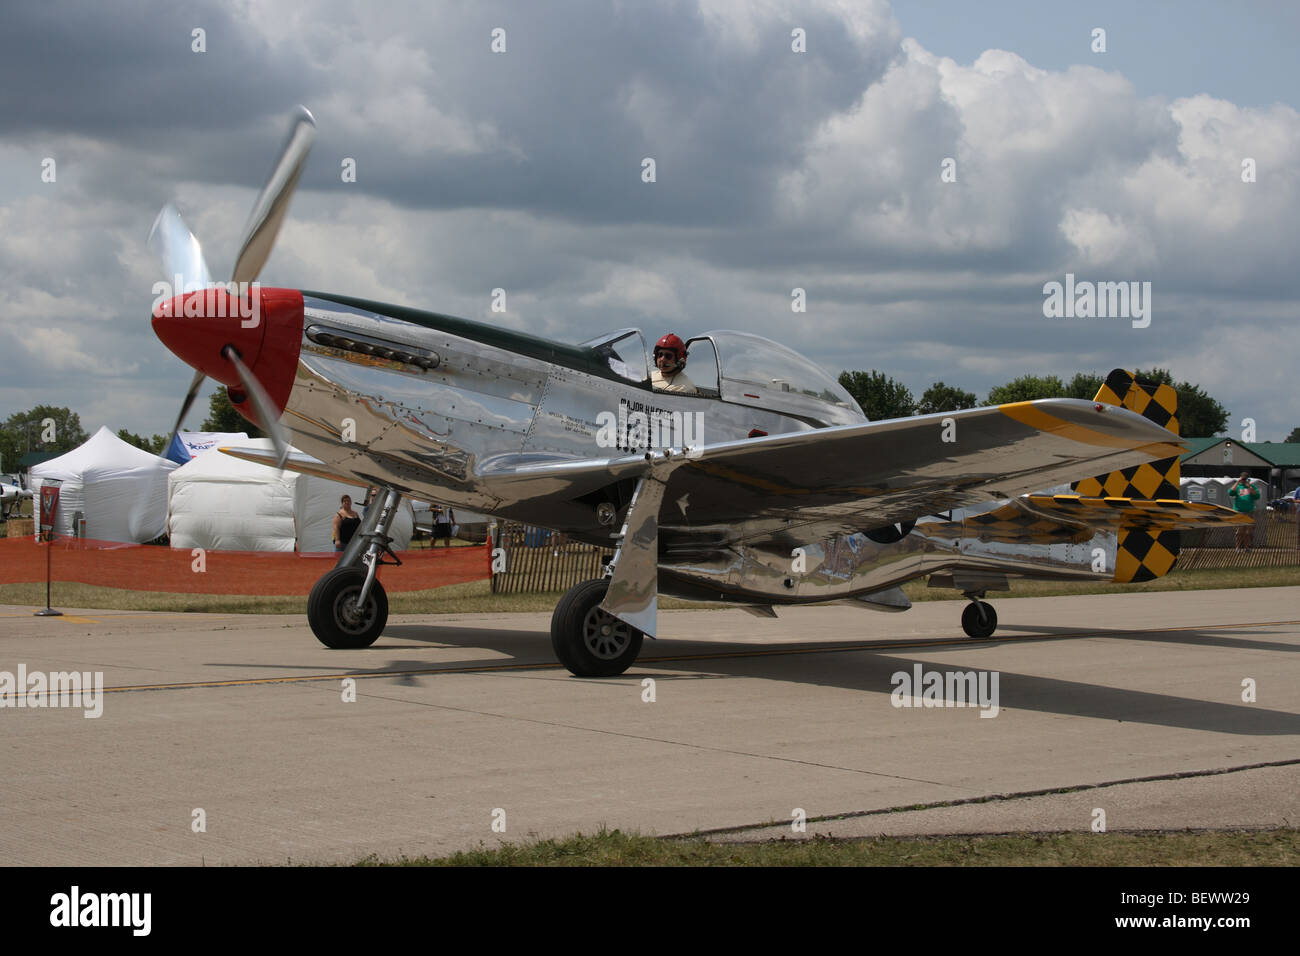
1141, 555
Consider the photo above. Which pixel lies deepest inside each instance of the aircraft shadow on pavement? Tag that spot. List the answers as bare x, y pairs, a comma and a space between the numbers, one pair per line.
824, 664
1241, 639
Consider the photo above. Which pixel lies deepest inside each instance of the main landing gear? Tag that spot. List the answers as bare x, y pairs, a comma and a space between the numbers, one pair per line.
340, 615
978, 619
348, 607
588, 641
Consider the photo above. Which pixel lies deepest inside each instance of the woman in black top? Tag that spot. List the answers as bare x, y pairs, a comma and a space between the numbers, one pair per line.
346, 522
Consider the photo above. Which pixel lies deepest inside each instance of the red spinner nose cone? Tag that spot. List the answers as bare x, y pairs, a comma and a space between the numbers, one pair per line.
264, 327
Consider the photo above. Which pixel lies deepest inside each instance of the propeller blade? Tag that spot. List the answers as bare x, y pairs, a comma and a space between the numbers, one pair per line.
273, 202
195, 385
269, 420
178, 250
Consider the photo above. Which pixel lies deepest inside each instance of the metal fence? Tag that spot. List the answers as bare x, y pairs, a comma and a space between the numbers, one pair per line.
538, 560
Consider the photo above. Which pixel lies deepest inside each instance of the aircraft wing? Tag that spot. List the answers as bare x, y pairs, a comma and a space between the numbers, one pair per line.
859, 477
297, 461
845, 478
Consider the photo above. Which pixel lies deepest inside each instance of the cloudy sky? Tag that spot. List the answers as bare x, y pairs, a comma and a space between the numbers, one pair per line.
774, 169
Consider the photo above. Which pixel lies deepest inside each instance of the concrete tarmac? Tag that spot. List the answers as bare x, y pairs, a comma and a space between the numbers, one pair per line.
465, 732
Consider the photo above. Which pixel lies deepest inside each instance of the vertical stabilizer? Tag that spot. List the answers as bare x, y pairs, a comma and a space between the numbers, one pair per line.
1141, 556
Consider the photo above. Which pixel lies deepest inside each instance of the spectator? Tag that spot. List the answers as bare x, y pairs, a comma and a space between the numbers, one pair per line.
1295, 510
443, 519
1244, 495
346, 522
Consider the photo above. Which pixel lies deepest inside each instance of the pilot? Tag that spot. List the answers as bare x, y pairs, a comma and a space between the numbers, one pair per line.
670, 363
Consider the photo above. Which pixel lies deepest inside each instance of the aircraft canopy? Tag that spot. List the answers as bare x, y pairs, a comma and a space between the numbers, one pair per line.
742, 368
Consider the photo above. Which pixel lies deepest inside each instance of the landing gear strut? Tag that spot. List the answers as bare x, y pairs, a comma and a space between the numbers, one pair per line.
588, 641
978, 619
348, 607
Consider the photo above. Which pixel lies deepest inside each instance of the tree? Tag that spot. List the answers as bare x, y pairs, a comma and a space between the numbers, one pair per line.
944, 398
1161, 376
43, 428
879, 395
1084, 385
1027, 388
1295, 435
154, 445
222, 417
1199, 415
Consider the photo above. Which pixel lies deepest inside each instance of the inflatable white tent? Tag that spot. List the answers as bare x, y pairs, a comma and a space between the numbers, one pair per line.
223, 503
188, 445
119, 489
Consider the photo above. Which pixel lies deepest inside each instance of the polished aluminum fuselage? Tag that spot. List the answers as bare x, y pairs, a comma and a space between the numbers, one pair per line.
439, 414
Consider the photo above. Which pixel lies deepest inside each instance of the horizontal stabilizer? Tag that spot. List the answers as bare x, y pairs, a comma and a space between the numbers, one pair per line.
1146, 531
1125, 513
1055, 519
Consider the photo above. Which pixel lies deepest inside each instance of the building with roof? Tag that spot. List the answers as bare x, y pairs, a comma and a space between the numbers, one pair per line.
1275, 463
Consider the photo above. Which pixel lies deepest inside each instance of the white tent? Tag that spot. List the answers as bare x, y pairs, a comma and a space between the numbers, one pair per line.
119, 489
224, 503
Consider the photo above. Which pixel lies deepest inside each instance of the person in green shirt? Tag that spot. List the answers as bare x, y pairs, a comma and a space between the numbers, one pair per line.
1244, 495
1295, 511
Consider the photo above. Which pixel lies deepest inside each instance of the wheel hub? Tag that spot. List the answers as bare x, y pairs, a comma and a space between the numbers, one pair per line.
605, 635
348, 615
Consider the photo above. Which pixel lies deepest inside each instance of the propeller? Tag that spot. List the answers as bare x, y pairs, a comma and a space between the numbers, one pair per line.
267, 417
180, 253
182, 259
273, 202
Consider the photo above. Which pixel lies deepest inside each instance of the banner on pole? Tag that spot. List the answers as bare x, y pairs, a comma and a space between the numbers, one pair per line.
49, 505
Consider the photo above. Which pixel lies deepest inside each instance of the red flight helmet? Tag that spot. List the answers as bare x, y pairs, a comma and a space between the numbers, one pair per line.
671, 343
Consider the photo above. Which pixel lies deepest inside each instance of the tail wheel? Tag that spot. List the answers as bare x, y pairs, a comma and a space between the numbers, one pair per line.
588, 641
333, 615
891, 533
979, 619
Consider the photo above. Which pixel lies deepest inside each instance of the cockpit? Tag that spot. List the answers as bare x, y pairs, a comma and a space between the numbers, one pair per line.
741, 368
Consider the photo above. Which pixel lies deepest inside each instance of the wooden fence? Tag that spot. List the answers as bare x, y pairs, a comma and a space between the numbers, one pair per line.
537, 560
1274, 543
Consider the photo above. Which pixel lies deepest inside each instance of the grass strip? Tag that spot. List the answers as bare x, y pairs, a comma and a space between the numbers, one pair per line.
476, 597
1280, 847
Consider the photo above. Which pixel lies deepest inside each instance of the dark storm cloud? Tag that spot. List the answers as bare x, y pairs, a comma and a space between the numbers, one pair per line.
124, 71
581, 96
117, 94
583, 93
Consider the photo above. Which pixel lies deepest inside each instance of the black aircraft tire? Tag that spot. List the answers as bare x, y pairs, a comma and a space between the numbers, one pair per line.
891, 533
330, 615
588, 641
971, 621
